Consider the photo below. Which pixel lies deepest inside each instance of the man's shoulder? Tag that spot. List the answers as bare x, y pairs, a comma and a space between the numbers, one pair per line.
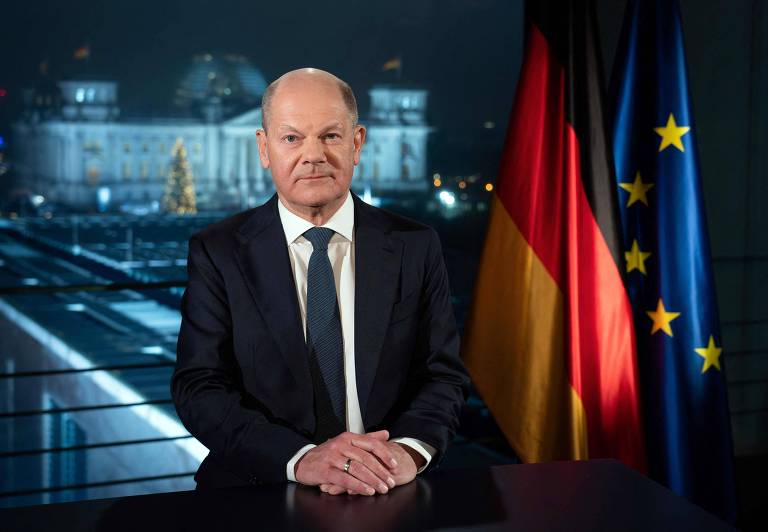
395, 223
226, 232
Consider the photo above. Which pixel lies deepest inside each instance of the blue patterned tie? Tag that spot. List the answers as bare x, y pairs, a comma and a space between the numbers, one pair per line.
324, 339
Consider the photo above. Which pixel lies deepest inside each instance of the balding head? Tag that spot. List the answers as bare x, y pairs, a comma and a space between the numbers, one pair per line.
305, 77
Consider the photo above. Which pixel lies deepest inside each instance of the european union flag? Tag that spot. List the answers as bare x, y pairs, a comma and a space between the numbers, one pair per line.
682, 374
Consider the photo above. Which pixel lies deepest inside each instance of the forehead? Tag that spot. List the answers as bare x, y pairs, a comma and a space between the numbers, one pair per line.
309, 102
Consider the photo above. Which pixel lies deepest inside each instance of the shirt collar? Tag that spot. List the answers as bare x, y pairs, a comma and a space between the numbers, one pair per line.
342, 221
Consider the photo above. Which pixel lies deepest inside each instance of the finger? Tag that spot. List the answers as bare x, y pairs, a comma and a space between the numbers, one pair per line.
368, 460
362, 473
379, 449
332, 489
350, 483
382, 435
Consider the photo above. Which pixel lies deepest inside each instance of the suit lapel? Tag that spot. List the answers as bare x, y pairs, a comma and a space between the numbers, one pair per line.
263, 259
377, 271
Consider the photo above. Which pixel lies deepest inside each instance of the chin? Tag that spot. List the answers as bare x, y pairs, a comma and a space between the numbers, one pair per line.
320, 198
317, 194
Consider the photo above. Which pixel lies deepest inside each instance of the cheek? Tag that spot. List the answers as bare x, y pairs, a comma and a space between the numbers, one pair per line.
282, 163
343, 157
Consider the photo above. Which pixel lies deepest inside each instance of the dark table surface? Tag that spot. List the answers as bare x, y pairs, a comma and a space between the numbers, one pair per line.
593, 495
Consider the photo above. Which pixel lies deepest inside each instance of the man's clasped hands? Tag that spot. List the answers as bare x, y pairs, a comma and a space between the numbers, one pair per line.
358, 464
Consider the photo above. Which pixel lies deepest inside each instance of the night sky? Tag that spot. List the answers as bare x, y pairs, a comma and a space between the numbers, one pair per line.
466, 52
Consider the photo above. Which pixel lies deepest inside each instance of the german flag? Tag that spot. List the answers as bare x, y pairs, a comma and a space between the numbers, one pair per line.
550, 340
396, 63
83, 53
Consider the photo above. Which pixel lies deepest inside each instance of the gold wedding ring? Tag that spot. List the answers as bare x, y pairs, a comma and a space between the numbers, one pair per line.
347, 464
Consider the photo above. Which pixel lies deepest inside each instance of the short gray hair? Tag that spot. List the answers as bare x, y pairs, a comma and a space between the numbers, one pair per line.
346, 94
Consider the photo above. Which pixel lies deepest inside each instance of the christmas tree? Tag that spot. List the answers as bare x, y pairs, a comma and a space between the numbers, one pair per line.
179, 197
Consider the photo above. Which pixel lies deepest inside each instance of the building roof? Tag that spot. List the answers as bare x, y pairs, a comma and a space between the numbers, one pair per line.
230, 77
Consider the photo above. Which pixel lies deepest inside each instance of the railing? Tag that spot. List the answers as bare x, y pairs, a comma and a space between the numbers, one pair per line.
85, 407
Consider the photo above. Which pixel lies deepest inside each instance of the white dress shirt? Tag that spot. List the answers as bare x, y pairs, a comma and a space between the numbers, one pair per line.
341, 253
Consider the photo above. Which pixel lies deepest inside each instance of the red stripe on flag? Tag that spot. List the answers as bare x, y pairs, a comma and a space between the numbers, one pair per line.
540, 184
600, 334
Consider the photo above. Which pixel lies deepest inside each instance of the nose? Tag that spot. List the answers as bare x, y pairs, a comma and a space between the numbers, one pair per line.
314, 151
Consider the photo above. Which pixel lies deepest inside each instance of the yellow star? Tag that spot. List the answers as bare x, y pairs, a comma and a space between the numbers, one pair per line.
661, 318
636, 258
711, 355
671, 134
637, 190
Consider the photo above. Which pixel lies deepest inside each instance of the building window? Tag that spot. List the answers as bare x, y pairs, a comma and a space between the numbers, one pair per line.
375, 171
93, 175
93, 146
126, 170
144, 171
145, 147
127, 147
163, 148
197, 148
80, 95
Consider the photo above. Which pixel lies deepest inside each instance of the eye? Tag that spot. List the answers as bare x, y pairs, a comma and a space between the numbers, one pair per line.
332, 136
290, 138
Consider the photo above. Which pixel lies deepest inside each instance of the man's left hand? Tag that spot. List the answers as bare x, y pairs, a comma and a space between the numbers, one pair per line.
408, 462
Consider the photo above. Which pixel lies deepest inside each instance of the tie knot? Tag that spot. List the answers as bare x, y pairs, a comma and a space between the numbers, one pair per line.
319, 236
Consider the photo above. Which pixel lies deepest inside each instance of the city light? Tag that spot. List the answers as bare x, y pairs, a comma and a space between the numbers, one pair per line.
462, 185
447, 198
489, 124
3, 93
104, 194
437, 182
489, 187
369, 198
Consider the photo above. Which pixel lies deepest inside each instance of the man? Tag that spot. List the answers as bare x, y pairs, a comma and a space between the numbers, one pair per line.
318, 342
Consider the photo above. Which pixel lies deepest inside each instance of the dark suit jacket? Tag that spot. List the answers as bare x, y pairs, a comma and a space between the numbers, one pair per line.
242, 384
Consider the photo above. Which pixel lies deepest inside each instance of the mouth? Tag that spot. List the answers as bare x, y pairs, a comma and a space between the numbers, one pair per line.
313, 177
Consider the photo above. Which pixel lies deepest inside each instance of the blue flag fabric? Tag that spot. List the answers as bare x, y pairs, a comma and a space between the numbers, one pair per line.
668, 266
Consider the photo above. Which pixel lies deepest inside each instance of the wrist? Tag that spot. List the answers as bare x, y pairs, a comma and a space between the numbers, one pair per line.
418, 460
296, 465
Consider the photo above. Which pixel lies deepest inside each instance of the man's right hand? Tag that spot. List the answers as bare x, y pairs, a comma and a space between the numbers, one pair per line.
369, 472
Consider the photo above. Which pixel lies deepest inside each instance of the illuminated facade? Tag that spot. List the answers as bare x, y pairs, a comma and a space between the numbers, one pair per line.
85, 153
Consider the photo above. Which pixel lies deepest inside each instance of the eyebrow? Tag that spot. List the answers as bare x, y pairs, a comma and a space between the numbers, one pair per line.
334, 125
328, 127
286, 127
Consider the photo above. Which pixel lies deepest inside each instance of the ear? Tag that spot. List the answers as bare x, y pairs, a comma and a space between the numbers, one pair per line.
359, 141
261, 139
